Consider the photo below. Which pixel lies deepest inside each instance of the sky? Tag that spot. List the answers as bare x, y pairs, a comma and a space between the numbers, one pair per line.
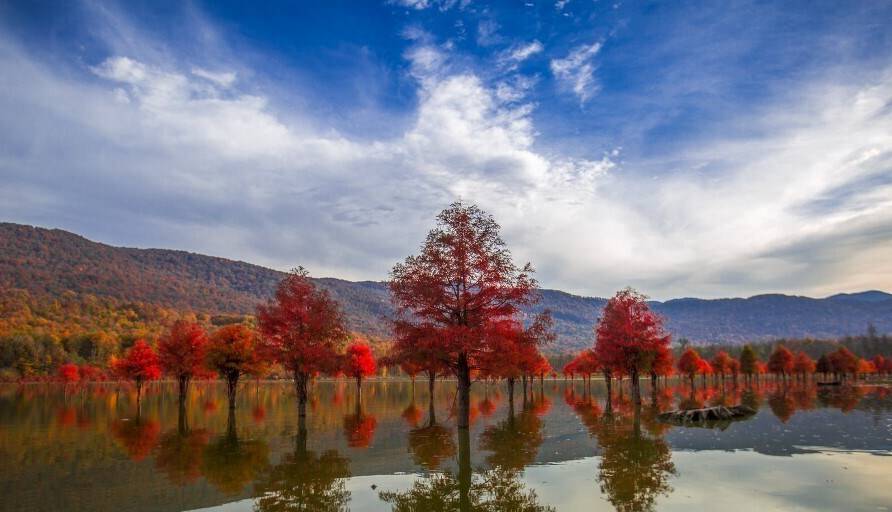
708, 149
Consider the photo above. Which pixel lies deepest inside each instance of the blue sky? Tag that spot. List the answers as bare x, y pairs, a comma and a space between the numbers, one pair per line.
685, 148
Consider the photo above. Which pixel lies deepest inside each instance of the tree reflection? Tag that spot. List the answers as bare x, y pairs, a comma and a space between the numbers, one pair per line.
635, 467
305, 480
493, 490
431, 444
359, 428
229, 463
180, 455
138, 437
514, 441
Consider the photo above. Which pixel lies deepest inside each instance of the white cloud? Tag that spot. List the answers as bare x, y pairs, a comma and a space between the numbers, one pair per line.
151, 155
223, 79
576, 71
522, 52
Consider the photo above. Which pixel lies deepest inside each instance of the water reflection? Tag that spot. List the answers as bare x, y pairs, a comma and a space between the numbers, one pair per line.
304, 480
230, 463
261, 456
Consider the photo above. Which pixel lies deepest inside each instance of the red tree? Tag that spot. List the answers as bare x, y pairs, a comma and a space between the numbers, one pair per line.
182, 352
462, 279
359, 362
630, 336
232, 352
689, 364
781, 361
803, 365
721, 364
843, 362
139, 364
509, 353
69, 373
301, 329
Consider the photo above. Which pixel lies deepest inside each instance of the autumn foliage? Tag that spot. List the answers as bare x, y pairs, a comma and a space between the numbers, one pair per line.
301, 328
139, 364
232, 352
182, 352
462, 279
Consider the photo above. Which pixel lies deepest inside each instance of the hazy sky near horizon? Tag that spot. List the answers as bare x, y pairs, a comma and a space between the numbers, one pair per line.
684, 148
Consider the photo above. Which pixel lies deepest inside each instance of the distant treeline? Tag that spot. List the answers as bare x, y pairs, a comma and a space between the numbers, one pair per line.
865, 345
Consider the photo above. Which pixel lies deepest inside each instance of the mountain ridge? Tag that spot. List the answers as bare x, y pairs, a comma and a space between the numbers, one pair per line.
49, 262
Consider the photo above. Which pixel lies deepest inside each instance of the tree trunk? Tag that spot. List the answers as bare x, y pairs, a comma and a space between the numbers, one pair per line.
359, 389
523, 382
183, 389
232, 386
464, 392
431, 380
636, 386
300, 388
464, 470
138, 398
511, 392
608, 379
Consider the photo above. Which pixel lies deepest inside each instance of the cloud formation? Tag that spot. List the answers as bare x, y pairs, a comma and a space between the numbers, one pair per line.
795, 196
576, 71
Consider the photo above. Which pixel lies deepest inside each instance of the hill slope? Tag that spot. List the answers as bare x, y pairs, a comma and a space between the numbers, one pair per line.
48, 263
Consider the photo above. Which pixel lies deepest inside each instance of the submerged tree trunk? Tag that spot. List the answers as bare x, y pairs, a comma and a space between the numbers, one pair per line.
636, 386
608, 379
300, 387
464, 470
463, 374
183, 382
358, 388
510, 381
231, 387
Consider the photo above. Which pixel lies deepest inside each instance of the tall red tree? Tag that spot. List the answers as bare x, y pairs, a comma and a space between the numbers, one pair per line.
803, 365
302, 328
139, 364
181, 353
843, 362
509, 353
630, 336
689, 364
232, 352
359, 362
463, 278
781, 361
721, 364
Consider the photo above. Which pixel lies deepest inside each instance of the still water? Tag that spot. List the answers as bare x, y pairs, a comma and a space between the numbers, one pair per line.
87, 449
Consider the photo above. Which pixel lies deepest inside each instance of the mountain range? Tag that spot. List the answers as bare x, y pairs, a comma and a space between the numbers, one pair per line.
49, 262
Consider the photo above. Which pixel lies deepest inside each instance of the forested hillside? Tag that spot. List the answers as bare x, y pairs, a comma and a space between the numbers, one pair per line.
53, 282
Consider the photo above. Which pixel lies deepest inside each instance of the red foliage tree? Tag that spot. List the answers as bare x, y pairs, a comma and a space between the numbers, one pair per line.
689, 364
803, 365
359, 362
781, 361
232, 352
721, 363
843, 362
416, 349
182, 352
301, 328
139, 364
462, 279
630, 336
509, 353
69, 373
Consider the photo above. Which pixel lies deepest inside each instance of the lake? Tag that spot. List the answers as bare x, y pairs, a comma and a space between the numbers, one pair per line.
87, 449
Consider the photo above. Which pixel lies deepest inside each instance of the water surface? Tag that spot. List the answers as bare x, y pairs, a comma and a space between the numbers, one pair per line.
559, 448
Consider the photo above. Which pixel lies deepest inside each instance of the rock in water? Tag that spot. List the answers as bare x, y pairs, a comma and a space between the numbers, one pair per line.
708, 416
